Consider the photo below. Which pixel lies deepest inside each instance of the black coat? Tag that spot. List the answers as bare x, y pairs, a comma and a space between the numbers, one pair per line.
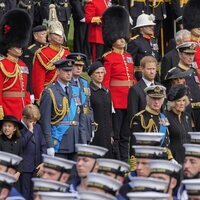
34, 146
101, 105
178, 134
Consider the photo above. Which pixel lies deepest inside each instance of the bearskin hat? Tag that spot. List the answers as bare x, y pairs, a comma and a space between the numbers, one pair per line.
15, 30
115, 25
191, 14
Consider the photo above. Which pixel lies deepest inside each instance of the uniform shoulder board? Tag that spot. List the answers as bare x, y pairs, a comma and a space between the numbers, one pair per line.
40, 49
31, 46
139, 113
135, 37
107, 53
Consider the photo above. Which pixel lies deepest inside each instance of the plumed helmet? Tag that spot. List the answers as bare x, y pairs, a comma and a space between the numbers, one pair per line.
191, 15
15, 30
115, 25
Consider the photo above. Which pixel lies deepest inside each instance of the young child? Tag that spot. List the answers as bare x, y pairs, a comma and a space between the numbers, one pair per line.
34, 146
10, 140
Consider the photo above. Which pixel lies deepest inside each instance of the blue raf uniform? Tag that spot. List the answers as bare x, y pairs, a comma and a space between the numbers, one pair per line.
62, 118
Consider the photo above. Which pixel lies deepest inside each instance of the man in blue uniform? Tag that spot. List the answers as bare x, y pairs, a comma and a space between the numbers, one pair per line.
61, 116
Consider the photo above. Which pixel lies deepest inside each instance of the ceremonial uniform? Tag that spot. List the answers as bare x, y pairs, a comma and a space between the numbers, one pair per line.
140, 46
44, 67
94, 10
13, 83
61, 118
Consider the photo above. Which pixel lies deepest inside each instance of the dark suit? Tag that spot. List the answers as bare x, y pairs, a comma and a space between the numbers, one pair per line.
170, 60
63, 142
34, 146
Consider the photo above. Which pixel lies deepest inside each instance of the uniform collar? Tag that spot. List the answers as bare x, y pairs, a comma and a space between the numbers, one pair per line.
55, 47
153, 112
120, 51
95, 87
184, 67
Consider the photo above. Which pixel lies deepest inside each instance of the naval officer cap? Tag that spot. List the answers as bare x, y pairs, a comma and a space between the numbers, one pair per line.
116, 167
6, 180
103, 182
194, 137
150, 138
64, 64
165, 167
155, 91
187, 47
139, 184
192, 187
150, 152
91, 195
58, 196
9, 159
79, 58
59, 164
90, 150
192, 150
147, 196
40, 184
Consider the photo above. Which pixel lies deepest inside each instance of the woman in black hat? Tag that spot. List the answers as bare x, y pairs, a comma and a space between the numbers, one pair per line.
10, 140
180, 121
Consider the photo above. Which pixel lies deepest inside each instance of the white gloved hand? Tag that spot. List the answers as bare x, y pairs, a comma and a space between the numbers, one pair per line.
51, 152
130, 20
82, 20
164, 16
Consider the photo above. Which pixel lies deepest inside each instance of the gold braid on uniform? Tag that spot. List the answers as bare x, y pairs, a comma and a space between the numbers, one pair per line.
150, 127
59, 113
8, 75
50, 66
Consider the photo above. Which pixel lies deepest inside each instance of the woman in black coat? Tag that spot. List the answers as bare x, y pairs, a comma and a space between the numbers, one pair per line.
180, 121
102, 108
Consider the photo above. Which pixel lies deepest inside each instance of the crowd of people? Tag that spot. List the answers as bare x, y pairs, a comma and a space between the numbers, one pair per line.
116, 117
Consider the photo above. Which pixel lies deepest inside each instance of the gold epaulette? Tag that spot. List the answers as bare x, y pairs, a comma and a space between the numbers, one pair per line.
107, 53
139, 113
31, 46
135, 37
40, 49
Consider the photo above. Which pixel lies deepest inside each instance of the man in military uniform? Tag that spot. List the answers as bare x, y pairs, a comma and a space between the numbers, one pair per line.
28, 6
40, 39
143, 44
46, 56
119, 73
151, 119
61, 115
16, 27
186, 64
78, 81
80, 39
63, 10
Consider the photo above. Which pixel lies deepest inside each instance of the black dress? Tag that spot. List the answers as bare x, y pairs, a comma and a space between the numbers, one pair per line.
102, 108
178, 134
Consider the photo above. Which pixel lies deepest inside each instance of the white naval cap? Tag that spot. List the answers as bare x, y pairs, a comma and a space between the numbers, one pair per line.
91, 195
192, 186
40, 184
103, 182
6, 180
9, 159
192, 150
148, 184
58, 196
90, 150
114, 166
165, 167
59, 164
147, 196
150, 138
151, 152
194, 137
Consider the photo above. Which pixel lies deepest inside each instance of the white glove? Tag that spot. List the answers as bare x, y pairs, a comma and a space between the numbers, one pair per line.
51, 152
82, 20
32, 98
164, 16
130, 20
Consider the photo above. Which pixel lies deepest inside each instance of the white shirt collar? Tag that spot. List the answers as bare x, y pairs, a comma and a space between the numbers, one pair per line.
147, 82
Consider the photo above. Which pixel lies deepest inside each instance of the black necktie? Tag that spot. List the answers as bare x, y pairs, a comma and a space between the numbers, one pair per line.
66, 91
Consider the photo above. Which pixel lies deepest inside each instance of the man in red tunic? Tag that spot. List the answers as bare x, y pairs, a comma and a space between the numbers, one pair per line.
15, 31
119, 73
94, 10
44, 71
